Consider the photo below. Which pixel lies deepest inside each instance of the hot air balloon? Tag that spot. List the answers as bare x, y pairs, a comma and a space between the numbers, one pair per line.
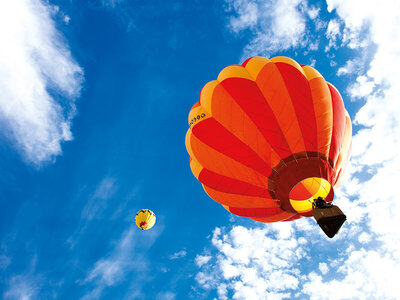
145, 219
268, 138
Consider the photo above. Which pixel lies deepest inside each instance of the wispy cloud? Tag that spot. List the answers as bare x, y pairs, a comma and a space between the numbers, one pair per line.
4, 261
22, 288
179, 254
128, 257
111, 270
98, 201
39, 80
166, 296
94, 207
110, 3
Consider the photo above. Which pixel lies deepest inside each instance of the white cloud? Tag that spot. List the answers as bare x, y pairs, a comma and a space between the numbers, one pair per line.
361, 280
275, 25
202, 260
320, 24
257, 263
363, 86
352, 66
166, 296
364, 238
21, 287
39, 80
247, 15
261, 263
105, 189
313, 12
332, 33
67, 19
95, 207
333, 29
323, 267
179, 254
354, 18
108, 271
128, 257
313, 46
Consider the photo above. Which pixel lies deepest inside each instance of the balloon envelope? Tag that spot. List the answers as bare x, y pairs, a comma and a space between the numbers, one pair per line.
267, 137
145, 219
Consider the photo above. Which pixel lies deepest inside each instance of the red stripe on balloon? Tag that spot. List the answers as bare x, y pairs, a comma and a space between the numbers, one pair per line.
213, 134
299, 90
339, 123
230, 185
248, 96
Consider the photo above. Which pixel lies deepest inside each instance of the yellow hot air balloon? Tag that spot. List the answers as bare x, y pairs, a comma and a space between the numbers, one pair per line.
145, 219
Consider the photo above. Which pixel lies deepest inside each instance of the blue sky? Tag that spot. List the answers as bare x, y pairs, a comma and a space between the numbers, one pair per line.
93, 114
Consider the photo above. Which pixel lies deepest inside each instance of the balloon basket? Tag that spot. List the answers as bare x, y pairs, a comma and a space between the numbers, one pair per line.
330, 219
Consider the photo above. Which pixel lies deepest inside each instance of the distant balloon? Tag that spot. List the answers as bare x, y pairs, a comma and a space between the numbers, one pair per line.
145, 219
268, 137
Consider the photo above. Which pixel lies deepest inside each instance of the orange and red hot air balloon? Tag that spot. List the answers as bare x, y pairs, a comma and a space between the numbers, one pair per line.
268, 137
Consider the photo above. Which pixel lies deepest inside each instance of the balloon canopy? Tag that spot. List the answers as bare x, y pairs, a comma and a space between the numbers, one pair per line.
145, 219
268, 137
